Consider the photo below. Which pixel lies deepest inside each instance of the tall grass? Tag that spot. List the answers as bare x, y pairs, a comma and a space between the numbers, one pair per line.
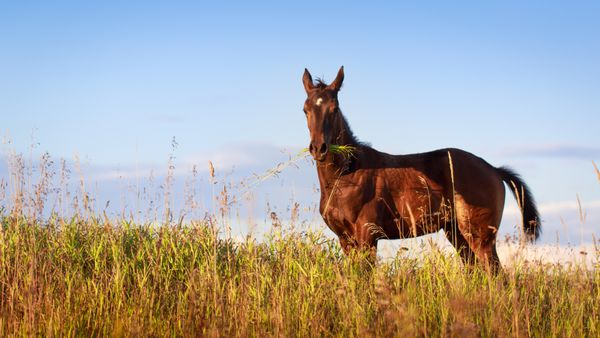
74, 278
89, 275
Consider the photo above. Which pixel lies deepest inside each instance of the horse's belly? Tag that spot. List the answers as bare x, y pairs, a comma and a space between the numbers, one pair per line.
405, 228
420, 214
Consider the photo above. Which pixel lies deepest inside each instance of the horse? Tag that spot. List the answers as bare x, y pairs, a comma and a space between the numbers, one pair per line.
372, 195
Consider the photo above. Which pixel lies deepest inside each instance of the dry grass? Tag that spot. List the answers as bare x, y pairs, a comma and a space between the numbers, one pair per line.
76, 277
89, 275
345, 150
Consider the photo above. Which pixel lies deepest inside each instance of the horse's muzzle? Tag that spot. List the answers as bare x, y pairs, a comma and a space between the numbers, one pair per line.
318, 152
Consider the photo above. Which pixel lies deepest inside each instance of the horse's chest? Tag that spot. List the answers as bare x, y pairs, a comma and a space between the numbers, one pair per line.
341, 205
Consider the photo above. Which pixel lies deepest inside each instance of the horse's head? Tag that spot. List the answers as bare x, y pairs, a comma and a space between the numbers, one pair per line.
322, 111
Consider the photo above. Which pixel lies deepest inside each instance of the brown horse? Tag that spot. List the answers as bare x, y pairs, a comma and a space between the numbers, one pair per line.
373, 195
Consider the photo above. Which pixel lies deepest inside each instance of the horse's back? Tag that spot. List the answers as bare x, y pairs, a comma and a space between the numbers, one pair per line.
463, 176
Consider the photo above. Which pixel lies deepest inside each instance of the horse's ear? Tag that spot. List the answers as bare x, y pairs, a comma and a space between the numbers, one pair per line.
307, 81
337, 83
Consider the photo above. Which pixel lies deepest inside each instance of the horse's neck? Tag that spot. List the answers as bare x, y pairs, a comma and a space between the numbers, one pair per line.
329, 171
335, 165
344, 134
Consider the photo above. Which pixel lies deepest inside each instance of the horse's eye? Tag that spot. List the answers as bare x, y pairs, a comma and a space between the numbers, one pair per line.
305, 112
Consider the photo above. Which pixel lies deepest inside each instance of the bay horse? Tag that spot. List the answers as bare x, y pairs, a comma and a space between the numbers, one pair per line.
372, 195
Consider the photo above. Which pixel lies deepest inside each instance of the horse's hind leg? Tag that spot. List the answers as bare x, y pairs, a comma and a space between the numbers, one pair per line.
477, 226
462, 247
481, 237
474, 251
495, 265
488, 256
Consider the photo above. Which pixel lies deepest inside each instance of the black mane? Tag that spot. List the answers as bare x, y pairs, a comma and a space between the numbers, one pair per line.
319, 83
353, 140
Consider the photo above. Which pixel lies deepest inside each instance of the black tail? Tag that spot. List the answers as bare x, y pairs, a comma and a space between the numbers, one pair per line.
532, 224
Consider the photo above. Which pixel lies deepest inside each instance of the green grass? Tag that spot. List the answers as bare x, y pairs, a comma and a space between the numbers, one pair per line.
91, 278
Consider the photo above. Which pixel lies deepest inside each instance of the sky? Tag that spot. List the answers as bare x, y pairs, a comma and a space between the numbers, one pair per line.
112, 83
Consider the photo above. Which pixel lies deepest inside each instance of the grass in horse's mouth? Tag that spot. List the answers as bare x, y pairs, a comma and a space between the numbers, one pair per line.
346, 151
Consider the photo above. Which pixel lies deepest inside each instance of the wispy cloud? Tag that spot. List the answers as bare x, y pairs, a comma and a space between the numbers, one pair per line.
245, 159
558, 208
564, 221
233, 156
556, 150
125, 173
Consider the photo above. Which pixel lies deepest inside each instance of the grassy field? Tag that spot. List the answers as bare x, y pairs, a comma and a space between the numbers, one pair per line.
92, 275
89, 277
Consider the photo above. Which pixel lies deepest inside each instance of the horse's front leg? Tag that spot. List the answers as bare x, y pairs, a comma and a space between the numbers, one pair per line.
345, 243
368, 234
362, 241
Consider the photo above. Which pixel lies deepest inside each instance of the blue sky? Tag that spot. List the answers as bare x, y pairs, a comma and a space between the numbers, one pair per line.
113, 82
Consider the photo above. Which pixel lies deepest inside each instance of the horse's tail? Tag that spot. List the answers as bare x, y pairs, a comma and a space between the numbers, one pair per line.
532, 225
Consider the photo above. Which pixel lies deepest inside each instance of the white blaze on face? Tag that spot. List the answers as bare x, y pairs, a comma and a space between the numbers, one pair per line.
319, 101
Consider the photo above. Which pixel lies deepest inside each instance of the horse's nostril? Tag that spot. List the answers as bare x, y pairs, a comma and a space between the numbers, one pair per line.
323, 149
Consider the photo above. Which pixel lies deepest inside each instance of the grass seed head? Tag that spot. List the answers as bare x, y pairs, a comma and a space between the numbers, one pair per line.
211, 169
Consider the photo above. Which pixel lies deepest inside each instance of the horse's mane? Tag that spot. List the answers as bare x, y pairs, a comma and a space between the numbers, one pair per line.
319, 83
354, 141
